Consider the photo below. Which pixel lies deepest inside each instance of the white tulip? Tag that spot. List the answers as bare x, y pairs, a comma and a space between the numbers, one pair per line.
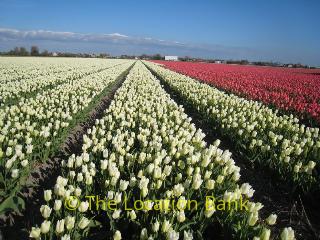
265, 235
187, 235
35, 233
165, 226
155, 226
287, 234
116, 214
181, 216
14, 173
144, 234
60, 226
57, 205
117, 235
66, 237
45, 226
45, 211
83, 207
271, 220
133, 215
84, 222
47, 195
69, 222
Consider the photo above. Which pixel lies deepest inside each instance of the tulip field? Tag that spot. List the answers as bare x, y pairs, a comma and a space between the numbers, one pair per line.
32, 128
144, 169
295, 90
267, 137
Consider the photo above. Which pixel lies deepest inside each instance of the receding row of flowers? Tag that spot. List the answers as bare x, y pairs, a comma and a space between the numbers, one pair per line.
294, 90
268, 138
33, 129
145, 149
46, 76
14, 69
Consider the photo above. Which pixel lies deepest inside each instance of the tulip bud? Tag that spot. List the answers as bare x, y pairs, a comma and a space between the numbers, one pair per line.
83, 207
287, 234
165, 226
265, 235
47, 195
311, 164
84, 222
133, 215
77, 192
155, 226
57, 205
66, 237
35, 233
253, 218
60, 226
157, 173
14, 173
271, 220
144, 234
187, 235
181, 216
24, 163
123, 185
45, 226
45, 211
116, 214
104, 164
8, 151
117, 235
210, 184
69, 222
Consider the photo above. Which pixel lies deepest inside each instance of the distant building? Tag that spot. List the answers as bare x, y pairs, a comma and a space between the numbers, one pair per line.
54, 54
218, 61
171, 58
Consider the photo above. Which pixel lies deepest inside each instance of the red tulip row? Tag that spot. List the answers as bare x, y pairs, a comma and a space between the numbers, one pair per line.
288, 89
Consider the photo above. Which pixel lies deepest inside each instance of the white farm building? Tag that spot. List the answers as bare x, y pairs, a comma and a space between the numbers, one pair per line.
171, 58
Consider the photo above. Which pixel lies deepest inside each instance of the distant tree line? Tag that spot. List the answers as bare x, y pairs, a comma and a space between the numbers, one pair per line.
143, 56
34, 51
22, 51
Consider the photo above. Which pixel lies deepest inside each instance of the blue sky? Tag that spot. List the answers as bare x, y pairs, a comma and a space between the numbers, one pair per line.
286, 31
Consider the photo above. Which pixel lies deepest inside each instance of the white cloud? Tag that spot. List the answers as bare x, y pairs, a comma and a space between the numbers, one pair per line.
118, 35
116, 43
13, 34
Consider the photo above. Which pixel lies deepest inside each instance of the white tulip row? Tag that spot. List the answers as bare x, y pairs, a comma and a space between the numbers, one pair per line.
31, 130
269, 138
146, 148
48, 76
22, 68
18, 68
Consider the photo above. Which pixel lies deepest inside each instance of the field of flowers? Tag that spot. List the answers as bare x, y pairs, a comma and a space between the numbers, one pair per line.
271, 139
295, 90
143, 168
32, 128
20, 78
146, 149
